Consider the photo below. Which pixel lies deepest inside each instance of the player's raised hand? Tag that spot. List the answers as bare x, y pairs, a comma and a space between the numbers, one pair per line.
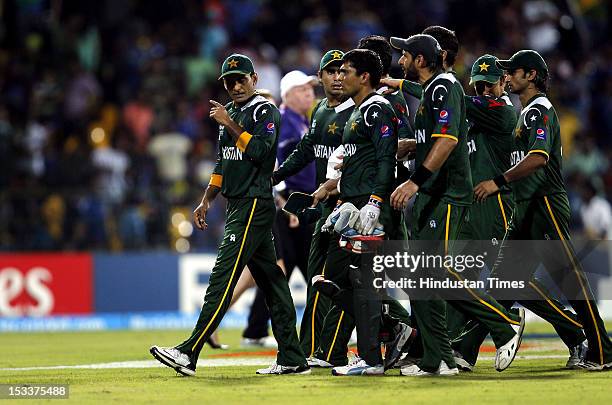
392, 83
199, 214
402, 194
219, 113
485, 189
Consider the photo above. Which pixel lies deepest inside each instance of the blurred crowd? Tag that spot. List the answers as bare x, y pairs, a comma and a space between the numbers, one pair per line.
105, 140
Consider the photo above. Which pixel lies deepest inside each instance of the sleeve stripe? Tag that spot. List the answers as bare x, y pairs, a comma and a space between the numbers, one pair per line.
377, 198
401, 85
543, 152
243, 141
454, 138
216, 180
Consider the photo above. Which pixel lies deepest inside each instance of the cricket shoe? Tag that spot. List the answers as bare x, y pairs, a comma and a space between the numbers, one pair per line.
406, 360
359, 367
504, 356
174, 358
462, 364
267, 342
318, 363
593, 366
578, 355
404, 336
415, 371
277, 369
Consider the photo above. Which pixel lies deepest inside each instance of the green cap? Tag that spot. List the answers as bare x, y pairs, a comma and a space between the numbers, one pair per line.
525, 59
236, 64
485, 70
333, 56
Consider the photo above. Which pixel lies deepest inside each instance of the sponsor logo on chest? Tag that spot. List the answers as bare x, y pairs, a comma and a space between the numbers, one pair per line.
231, 153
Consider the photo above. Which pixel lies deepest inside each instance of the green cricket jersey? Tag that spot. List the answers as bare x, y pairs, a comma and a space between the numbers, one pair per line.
442, 114
398, 103
537, 131
318, 144
490, 140
244, 167
370, 146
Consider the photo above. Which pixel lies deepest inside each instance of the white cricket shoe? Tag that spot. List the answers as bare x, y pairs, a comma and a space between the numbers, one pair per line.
278, 369
359, 367
415, 371
174, 358
315, 362
505, 354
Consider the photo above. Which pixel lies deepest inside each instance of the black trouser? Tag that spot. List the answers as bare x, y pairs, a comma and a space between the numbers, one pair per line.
292, 245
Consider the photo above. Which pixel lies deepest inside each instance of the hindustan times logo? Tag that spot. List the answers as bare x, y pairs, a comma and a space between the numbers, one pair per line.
411, 262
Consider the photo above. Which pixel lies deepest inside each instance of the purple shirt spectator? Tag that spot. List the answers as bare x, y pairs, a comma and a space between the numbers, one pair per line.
293, 127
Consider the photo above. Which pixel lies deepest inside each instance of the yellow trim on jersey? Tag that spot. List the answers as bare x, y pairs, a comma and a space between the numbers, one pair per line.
552, 304
377, 198
543, 152
216, 180
586, 296
448, 212
335, 336
472, 293
501, 207
229, 283
454, 138
314, 311
243, 141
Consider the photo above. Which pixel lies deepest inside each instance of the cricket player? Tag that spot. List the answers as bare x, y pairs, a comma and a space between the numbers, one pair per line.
492, 119
542, 208
248, 137
338, 327
443, 181
325, 134
370, 145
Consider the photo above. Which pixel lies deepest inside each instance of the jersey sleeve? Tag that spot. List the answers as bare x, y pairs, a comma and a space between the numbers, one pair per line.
537, 126
410, 88
492, 114
259, 141
446, 101
383, 130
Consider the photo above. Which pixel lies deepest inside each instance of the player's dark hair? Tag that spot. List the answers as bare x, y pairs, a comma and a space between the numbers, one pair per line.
447, 39
365, 60
381, 46
541, 82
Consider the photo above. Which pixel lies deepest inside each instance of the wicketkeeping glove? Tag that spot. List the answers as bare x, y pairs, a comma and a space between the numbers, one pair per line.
368, 216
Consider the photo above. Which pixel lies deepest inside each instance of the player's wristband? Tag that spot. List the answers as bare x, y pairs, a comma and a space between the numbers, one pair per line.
420, 175
375, 201
500, 181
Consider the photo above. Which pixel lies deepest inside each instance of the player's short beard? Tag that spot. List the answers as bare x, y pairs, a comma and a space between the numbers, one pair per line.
411, 73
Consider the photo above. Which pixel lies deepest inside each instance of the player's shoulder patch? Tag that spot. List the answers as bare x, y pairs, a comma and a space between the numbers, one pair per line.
374, 108
263, 109
532, 117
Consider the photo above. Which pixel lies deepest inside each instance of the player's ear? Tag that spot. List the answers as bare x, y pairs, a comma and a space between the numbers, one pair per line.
365, 78
254, 77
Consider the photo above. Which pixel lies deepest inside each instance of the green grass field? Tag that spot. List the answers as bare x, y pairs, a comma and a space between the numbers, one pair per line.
528, 380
